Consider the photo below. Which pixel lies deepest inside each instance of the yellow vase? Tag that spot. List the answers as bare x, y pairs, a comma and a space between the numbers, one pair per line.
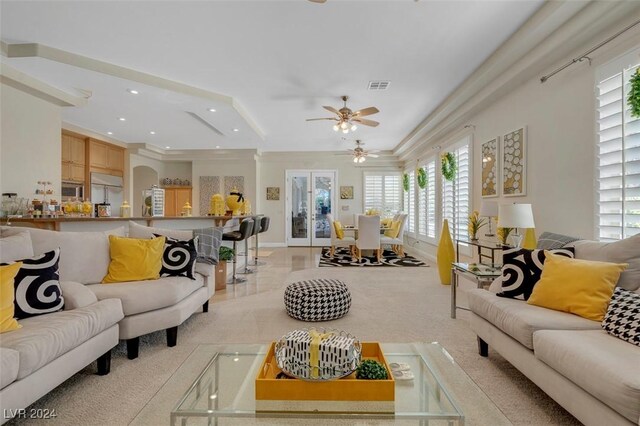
530, 241
446, 254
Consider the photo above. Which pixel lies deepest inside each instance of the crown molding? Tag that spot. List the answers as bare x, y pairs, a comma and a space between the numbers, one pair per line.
25, 83
555, 30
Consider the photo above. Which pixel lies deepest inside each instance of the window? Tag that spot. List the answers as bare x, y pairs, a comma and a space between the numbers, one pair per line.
618, 159
427, 202
410, 208
456, 194
382, 191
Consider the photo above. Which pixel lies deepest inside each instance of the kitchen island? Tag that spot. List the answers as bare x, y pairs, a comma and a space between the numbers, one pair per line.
69, 223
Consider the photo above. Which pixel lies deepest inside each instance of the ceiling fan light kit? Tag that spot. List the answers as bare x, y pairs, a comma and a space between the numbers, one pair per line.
347, 120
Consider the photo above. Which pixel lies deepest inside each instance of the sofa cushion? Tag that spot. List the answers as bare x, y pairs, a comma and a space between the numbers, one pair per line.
623, 251
14, 247
46, 337
9, 365
550, 240
520, 320
602, 365
84, 256
144, 296
146, 232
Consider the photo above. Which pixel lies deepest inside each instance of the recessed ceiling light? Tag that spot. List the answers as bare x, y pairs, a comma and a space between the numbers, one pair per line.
133, 91
109, 133
212, 110
152, 132
217, 146
168, 147
236, 130
122, 119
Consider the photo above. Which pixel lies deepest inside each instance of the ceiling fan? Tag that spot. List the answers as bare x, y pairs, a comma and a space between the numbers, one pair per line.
346, 119
360, 154
318, 1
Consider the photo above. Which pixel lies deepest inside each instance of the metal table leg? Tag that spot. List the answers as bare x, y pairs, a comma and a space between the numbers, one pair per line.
454, 290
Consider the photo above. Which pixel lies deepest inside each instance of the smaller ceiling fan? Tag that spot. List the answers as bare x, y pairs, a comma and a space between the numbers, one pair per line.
360, 154
347, 120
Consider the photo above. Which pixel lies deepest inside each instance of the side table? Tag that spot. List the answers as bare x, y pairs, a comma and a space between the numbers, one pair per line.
479, 272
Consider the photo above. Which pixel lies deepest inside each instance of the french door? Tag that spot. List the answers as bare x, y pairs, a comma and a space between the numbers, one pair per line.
310, 197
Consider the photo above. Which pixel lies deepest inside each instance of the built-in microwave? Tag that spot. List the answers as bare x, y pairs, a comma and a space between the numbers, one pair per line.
71, 190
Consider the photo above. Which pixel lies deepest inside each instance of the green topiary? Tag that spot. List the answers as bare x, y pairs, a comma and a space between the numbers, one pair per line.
370, 369
634, 94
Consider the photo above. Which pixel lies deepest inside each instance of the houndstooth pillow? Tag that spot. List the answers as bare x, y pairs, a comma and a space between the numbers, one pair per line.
522, 268
623, 316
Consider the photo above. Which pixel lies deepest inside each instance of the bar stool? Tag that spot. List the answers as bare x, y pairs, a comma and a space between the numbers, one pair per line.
246, 228
254, 233
264, 227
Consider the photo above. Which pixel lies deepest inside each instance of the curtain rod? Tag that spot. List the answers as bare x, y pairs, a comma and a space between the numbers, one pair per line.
585, 54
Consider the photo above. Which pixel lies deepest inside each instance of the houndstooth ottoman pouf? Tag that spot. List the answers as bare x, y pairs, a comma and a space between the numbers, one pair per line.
317, 299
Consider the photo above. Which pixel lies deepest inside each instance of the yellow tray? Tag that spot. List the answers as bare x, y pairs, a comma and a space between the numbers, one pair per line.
346, 389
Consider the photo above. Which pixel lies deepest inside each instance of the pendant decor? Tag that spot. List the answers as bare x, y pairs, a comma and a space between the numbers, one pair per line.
446, 254
405, 182
421, 175
449, 166
634, 94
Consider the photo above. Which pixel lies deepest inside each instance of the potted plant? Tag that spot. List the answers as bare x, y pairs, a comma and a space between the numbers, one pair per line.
225, 255
475, 223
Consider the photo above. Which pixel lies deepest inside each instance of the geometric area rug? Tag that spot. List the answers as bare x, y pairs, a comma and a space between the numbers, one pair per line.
342, 257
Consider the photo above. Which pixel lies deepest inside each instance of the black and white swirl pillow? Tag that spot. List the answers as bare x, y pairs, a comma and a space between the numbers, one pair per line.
179, 258
37, 286
522, 268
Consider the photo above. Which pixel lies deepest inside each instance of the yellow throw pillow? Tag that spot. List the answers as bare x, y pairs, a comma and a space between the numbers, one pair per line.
7, 296
339, 231
581, 287
133, 259
386, 222
393, 230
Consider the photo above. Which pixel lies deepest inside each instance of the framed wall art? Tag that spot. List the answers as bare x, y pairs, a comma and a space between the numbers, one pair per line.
273, 193
514, 163
490, 175
346, 192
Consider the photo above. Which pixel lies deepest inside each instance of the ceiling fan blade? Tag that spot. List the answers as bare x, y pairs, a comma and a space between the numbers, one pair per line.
316, 119
366, 111
332, 109
318, 1
365, 122
372, 155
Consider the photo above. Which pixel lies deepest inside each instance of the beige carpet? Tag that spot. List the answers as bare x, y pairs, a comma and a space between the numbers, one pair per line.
389, 305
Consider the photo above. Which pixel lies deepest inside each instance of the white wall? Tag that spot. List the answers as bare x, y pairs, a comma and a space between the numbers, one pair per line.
177, 169
273, 168
561, 124
30, 144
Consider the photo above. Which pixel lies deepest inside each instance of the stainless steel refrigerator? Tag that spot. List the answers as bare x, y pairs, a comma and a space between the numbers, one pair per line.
107, 189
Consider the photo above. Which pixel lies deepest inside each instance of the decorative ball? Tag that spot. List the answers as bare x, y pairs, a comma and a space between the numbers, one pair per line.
370, 369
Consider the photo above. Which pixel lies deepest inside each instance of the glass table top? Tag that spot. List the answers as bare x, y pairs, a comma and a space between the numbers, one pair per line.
479, 269
217, 384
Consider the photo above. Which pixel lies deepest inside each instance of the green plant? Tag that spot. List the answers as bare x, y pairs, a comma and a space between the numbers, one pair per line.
370, 369
421, 174
634, 94
449, 166
226, 253
405, 182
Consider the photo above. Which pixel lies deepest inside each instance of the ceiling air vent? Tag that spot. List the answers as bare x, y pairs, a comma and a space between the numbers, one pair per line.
379, 85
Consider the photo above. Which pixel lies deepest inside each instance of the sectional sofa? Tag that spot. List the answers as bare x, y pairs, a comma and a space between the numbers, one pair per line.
593, 375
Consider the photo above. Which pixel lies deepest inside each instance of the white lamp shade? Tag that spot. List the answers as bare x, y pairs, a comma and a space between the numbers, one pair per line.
489, 209
515, 216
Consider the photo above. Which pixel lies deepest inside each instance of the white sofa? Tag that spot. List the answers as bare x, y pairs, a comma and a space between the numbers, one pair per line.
50, 348
593, 375
148, 306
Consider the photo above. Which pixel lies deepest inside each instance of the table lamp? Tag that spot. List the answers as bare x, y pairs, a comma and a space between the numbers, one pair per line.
516, 216
489, 209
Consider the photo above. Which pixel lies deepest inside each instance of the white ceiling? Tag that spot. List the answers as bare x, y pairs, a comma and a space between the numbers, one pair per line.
280, 60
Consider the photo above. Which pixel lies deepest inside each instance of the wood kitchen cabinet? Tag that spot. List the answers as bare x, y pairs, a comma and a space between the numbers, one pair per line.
73, 157
175, 198
106, 158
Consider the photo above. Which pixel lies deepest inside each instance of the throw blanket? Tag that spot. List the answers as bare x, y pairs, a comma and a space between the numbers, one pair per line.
209, 242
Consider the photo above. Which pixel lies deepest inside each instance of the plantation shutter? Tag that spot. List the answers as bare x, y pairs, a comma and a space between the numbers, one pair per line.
411, 218
456, 194
382, 192
618, 174
426, 203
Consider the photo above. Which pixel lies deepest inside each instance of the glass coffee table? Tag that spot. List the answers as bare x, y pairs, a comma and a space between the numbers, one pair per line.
216, 385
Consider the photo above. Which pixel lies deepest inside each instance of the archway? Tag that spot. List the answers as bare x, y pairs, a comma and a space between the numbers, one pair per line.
143, 178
